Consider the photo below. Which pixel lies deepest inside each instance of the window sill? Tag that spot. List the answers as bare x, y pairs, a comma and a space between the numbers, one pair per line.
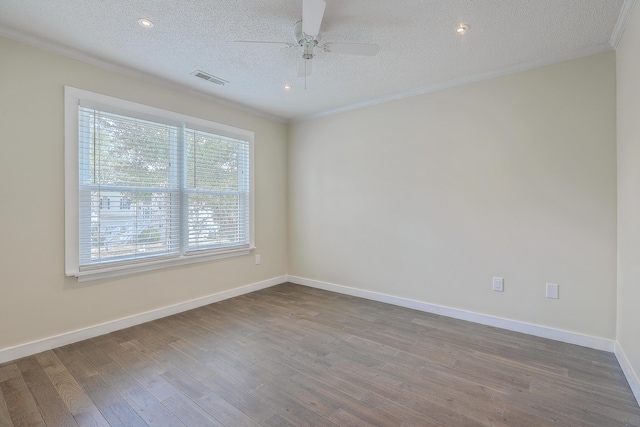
125, 270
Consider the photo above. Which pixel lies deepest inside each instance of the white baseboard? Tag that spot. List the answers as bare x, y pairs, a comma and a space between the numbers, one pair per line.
27, 349
498, 322
632, 377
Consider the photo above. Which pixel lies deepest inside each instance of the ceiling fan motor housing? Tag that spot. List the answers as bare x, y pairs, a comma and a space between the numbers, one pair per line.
306, 33
305, 41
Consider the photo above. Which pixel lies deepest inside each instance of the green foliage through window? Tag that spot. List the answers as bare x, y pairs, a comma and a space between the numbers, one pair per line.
150, 188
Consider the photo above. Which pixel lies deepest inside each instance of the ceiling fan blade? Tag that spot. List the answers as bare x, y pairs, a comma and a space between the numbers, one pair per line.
265, 44
312, 13
304, 67
366, 49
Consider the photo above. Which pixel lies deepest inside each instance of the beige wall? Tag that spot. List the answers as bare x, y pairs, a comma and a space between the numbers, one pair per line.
628, 69
425, 198
429, 197
36, 299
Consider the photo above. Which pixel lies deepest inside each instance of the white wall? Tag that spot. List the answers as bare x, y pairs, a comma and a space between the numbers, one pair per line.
428, 197
628, 73
36, 299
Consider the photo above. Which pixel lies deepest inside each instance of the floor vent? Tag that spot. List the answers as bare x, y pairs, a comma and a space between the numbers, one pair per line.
209, 77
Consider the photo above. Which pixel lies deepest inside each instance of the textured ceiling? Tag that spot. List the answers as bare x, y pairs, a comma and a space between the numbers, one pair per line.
419, 48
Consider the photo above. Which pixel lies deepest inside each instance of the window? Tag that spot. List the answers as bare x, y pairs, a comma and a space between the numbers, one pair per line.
125, 203
181, 187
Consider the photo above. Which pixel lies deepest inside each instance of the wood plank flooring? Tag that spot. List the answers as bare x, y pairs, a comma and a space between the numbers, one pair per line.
296, 356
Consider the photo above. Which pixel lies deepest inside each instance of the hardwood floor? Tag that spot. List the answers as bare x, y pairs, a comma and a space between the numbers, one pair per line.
296, 356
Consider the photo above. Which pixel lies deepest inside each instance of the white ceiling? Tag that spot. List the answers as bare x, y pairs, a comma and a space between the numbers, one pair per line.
419, 48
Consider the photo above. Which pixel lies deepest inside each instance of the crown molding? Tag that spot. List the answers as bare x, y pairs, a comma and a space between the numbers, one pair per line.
52, 47
567, 56
618, 30
72, 53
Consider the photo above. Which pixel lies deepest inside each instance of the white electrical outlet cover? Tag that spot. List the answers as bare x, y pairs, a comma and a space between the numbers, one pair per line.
498, 284
552, 291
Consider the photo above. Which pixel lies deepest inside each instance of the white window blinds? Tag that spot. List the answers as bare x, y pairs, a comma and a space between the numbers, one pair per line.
217, 190
154, 188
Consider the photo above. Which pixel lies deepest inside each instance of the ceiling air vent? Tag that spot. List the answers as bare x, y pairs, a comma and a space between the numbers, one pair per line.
209, 77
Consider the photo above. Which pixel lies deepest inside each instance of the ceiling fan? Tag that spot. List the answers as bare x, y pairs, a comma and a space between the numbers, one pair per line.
306, 36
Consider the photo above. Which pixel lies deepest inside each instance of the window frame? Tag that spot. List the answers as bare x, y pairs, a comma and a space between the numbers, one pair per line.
73, 98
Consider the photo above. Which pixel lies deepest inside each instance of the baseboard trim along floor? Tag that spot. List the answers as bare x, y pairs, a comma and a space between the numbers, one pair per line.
483, 319
597, 343
632, 378
49, 343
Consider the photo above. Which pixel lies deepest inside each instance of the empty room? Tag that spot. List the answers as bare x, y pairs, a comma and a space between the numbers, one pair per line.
320, 213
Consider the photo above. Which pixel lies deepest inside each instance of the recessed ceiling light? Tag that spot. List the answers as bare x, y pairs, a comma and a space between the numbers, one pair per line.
462, 29
146, 23
287, 86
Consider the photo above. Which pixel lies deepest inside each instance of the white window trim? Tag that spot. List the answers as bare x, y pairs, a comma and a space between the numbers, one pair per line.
72, 98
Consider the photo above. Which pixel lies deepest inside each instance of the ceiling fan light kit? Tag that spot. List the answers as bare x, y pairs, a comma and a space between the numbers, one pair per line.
305, 41
306, 33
